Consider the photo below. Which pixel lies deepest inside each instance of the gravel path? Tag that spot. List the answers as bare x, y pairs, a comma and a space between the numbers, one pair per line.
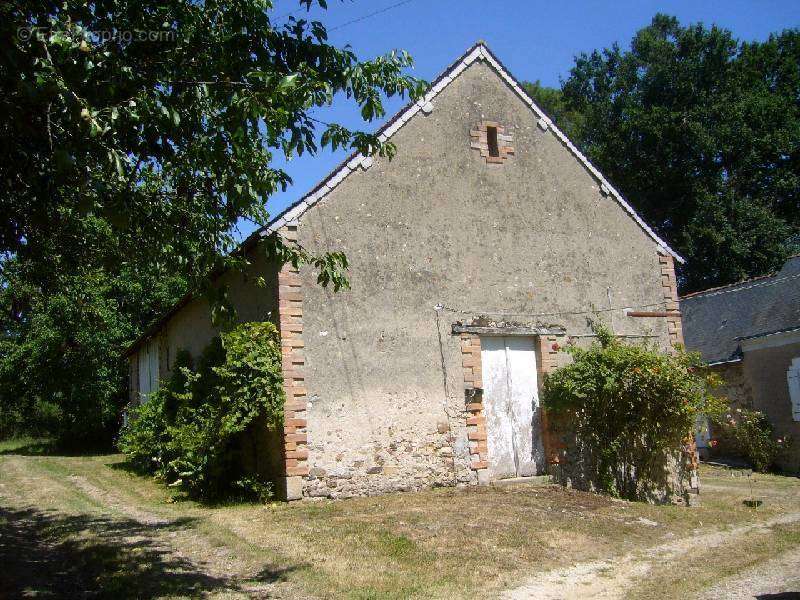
609, 579
778, 578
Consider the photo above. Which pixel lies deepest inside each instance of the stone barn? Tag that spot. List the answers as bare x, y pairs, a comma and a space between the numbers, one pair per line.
477, 252
749, 333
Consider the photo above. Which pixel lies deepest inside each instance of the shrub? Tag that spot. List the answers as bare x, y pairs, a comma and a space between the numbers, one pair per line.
145, 438
748, 434
629, 407
191, 430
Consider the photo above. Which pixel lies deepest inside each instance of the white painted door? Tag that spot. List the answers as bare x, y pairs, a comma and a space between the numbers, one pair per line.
511, 405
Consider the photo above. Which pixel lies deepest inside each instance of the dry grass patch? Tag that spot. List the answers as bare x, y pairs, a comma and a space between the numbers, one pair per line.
704, 569
444, 543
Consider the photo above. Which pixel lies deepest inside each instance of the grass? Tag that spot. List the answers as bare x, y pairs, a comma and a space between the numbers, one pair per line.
708, 568
26, 445
129, 534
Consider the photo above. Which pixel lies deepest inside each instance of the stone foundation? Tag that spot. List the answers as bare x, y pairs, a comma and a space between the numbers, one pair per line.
395, 460
678, 484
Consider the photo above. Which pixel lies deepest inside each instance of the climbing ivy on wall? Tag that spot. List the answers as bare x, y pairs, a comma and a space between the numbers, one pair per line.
630, 407
190, 432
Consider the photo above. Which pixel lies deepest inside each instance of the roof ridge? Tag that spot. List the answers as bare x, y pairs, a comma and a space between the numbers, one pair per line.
728, 285
477, 51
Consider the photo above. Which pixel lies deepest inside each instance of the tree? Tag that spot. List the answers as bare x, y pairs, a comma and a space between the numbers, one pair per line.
551, 101
702, 133
136, 135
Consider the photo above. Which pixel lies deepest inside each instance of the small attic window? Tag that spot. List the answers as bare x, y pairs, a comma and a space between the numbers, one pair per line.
491, 140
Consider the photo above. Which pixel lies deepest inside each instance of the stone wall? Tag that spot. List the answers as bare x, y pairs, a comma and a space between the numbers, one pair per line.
533, 233
735, 386
678, 483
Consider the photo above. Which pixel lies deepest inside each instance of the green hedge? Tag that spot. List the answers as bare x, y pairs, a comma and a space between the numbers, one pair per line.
629, 407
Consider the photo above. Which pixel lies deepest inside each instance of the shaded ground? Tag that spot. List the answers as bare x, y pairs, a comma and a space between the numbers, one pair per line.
51, 555
83, 526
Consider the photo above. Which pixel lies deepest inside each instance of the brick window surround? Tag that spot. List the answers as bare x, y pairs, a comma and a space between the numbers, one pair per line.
479, 141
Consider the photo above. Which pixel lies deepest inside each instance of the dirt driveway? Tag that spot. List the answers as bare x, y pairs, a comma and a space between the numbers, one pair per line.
84, 526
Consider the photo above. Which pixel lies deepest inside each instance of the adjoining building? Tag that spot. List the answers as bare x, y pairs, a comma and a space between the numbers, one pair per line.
749, 333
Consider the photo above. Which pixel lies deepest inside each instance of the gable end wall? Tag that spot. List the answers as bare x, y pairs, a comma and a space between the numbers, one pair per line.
384, 377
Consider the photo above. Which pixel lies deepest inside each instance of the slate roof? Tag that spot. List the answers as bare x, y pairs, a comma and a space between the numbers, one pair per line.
715, 320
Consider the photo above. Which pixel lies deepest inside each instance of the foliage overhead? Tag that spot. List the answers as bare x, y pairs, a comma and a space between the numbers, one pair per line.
630, 407
167, 138
701, 132
136, 135
192, 432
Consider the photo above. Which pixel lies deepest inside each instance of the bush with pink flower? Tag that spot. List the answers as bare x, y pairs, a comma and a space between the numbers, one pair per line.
748, 434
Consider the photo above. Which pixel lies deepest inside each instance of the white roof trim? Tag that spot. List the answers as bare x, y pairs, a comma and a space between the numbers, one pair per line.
479, 52
724, 362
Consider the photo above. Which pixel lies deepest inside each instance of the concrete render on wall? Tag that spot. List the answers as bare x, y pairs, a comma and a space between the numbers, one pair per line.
438, 224
191, 328
765, 370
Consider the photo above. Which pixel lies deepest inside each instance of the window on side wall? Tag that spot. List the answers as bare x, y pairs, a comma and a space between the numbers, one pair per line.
793, 377
148, 369
491, 141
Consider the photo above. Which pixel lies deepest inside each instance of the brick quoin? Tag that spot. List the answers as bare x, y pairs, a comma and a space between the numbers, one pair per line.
669, 285
473, 393
290, 313
552, 430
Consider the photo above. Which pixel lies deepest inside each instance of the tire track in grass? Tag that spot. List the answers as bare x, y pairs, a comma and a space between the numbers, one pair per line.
109, 519
609, 579
777, 576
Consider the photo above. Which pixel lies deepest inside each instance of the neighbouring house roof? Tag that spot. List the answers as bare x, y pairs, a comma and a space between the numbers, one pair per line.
478, 52
716, 320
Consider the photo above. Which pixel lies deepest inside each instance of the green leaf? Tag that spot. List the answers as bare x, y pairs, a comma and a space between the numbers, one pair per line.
287, 82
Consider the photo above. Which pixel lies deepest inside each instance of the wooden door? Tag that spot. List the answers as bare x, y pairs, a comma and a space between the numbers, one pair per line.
148, 369
511, 403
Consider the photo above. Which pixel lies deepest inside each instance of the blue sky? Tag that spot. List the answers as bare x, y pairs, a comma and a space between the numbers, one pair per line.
534, 39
